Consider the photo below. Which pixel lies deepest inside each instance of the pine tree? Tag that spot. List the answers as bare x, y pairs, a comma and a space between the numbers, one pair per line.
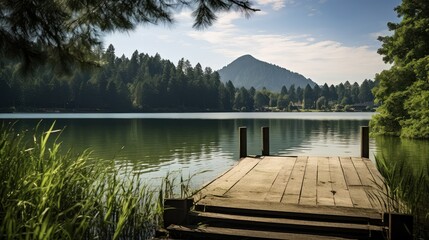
66, 33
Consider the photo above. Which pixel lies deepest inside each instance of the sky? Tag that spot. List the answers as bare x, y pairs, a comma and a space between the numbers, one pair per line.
328, 41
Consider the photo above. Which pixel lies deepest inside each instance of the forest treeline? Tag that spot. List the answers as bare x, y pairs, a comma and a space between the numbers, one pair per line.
150, 83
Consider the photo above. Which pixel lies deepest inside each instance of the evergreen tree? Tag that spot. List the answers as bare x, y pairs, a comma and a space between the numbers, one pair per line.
243, 100
66, 33
333, 96
325, 92
299, 94
355, 93
283, 91
308, 95
262, 99
365, 93
292, 94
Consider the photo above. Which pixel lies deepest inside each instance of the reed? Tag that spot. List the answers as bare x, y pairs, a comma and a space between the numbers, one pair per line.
49, 194
405, 190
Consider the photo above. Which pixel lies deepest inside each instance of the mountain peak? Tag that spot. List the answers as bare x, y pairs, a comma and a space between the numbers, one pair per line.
246, 56
247, 71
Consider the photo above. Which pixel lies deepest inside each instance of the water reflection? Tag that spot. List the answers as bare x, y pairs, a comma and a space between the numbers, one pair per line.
415, 152
157, 146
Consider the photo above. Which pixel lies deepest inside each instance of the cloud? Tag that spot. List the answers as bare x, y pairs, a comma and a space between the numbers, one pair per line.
383, 33
321, 60
275, 4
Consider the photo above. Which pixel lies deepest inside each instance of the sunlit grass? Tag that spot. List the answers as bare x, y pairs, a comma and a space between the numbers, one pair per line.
49, 194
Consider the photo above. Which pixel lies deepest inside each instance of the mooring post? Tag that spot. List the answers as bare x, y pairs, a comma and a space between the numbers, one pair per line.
400, 226
176, 211
243, 141
364, 142
265, 132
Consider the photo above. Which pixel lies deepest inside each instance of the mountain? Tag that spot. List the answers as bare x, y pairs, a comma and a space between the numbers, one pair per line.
247, 71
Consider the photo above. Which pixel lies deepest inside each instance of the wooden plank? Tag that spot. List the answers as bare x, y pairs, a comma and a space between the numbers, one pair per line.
338, 183
222, 184
354, 184
363, 172
284, 208
293, 188
349, 171
376, 195
359, 197
304, 224
325, 194
374, 172
367, 181
204, 231
257, 182
277, 190
308, 193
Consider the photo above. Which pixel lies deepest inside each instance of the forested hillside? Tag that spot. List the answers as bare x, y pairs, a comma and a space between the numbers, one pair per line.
247, 71
149, 83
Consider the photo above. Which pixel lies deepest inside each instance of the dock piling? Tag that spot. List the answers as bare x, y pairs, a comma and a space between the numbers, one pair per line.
243, 141
364, 144
265, 132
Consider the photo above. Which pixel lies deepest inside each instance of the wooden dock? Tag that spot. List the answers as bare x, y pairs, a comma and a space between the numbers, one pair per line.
309, 181
287, 197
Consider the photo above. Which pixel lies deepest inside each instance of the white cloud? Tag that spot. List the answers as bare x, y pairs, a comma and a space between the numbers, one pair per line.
322, 61
385, 32
275, 4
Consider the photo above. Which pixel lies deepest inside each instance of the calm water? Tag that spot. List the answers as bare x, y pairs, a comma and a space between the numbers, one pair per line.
207, 143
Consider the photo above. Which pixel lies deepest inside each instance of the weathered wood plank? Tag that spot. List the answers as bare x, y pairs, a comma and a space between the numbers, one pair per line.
363, 172
256, 183
204, 231
374, 171
349, 171
222, 184
277, 190
293, 188
308, 224
248, 204
377, 192
322, 181
354, 184
308, 193
367, 180
338, 183
359, 197
325, 194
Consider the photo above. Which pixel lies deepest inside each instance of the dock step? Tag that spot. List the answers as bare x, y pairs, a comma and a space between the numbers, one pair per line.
218, 218
209, 232
284, 225
289, 211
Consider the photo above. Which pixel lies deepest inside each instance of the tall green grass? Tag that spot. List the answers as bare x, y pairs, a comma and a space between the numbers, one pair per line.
48, 194
405, 190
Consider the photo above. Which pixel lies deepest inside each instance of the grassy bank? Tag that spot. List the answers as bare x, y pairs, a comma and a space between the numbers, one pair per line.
407, 191
46, 194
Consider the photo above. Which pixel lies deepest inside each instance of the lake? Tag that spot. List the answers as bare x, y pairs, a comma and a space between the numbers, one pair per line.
206, 144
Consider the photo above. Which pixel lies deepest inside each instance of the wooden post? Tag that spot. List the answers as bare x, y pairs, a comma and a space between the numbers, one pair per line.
364, 142
400, 226
265, 132
176, 211
243, 141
